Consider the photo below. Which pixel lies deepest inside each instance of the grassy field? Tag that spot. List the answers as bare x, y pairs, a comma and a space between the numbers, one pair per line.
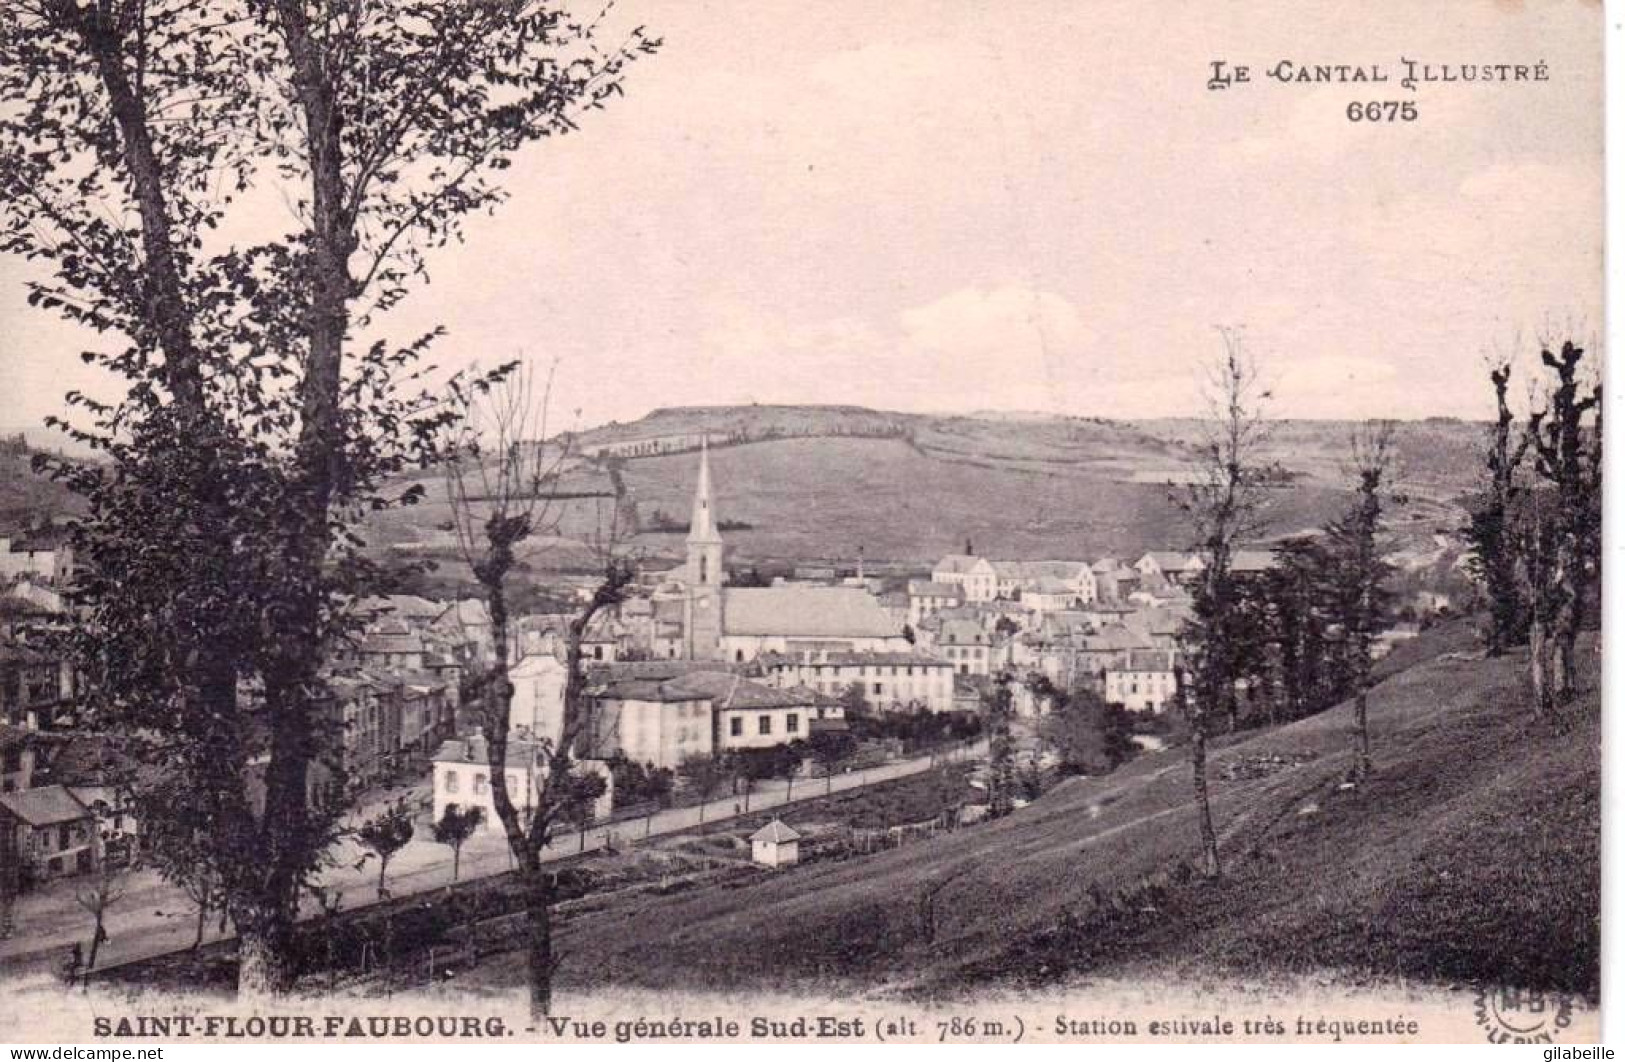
1472, 854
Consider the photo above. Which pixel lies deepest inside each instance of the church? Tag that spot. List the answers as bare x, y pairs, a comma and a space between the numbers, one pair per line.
738, 624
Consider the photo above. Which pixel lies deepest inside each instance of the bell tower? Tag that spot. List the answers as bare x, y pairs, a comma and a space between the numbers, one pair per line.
702, 620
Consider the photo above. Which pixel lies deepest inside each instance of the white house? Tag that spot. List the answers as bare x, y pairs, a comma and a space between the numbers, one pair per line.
462, 778
775, 845
537, 710
1074, 580
926, 597
966, 645
975, 574
1145, 682
1168, 565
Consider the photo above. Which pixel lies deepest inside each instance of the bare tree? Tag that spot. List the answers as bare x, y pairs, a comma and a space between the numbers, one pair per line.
1223, 507
504, 489
1559, 528
1490, 531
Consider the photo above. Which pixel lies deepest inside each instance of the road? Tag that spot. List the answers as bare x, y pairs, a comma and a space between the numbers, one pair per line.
152, 917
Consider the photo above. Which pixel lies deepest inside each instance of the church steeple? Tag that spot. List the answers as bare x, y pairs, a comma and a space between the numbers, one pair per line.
702, 525
702, 613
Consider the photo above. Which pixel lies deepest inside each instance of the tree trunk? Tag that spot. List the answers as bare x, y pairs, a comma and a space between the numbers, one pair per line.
1204, 809
539, 924
95, 944
383, 868
456, 861
264, 959
1362, 765
1538, 677
202, 919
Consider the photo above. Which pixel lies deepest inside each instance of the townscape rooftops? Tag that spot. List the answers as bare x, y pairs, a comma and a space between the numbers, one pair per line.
405, 606
725, 690
850, 659
391, 642
1043, 569
929, 588
47, 805
732, 692
1170, 560
958, 563
658, 670
476, 750
1252, 560
1114, 640
807, 612
1149, 660
963, 632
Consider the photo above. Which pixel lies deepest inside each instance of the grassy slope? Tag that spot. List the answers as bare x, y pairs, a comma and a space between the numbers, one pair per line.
1021, 487
830, 497
1473, 853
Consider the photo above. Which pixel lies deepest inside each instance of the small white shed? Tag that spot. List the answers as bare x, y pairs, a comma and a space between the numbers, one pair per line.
775, 845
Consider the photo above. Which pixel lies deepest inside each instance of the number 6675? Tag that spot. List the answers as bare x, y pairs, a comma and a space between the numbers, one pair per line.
1382, 111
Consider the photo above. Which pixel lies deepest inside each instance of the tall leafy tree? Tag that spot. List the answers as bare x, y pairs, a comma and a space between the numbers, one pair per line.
1360, 602
140, 143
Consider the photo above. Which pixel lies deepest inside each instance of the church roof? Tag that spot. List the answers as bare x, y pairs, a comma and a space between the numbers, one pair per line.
806, 612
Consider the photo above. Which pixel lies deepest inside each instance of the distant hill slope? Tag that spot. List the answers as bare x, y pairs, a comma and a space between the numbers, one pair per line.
1472, 854
27, 498
823, 482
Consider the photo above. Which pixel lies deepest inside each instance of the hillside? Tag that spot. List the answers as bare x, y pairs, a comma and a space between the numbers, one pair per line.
1474, 853
27, 498
823, 483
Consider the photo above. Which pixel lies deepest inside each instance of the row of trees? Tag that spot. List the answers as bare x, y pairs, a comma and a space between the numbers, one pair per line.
1535, 528
143, 146
1300, 638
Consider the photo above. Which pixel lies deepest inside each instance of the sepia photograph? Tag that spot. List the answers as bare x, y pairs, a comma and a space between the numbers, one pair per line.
946, 521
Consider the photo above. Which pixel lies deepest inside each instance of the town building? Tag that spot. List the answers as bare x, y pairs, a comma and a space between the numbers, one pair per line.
462, 778
51, 833
966, 645
738, 624
888, 681
1146, 682
1069, 580
45, 559
925, 598
976, 575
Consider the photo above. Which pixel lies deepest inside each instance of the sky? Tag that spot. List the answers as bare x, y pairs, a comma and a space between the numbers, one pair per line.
1023, 206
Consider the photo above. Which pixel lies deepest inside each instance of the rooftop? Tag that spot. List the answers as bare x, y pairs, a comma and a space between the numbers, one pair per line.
48, 805
806, 611
775, 832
